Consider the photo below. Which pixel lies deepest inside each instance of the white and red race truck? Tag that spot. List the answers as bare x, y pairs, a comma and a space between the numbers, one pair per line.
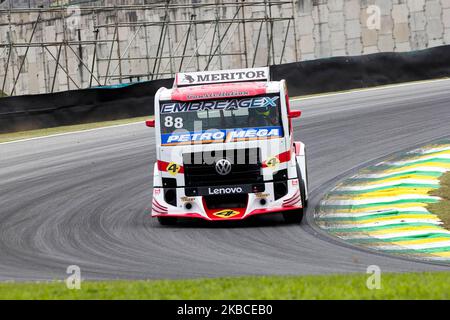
225, 148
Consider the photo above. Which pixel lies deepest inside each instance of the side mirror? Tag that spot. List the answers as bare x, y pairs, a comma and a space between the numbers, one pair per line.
294, 114
150, 123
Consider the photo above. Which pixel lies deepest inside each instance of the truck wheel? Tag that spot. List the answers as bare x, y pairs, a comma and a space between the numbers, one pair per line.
302, 188
294, 216
297, 215
167, 221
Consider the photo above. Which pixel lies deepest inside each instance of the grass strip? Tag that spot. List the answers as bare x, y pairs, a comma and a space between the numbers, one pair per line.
348, 286
13, 136
442, 208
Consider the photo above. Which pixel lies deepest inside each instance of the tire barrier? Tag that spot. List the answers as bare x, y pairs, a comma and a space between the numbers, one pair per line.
78, 106
307, 77
384, 207
344, 73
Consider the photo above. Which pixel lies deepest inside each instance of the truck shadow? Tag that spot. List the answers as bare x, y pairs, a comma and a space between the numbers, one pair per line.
269, 220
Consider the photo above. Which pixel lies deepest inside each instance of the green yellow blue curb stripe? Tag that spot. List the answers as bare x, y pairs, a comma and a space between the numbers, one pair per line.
384, 207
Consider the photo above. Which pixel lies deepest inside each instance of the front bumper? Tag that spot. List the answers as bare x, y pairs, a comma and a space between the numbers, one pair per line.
197, 207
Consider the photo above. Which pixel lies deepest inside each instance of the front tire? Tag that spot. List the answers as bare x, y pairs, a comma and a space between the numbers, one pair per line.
302, 188
296, 216
167, 221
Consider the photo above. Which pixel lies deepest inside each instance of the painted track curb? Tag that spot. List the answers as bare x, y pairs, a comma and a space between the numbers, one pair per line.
366, 209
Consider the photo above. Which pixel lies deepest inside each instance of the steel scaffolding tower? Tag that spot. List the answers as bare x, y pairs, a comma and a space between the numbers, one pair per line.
169, 36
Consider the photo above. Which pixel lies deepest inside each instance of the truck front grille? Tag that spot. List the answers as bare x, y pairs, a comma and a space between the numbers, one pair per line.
200, 168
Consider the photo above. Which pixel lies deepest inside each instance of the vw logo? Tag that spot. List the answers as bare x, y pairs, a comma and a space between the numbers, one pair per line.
223, 167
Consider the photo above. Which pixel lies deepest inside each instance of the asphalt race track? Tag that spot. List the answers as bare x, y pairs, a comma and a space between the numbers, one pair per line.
81, 198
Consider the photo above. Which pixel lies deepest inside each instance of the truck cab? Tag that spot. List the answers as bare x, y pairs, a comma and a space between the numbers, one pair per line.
225, 148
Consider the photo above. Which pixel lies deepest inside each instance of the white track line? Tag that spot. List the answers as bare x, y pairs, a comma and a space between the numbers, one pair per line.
74, 132
395, 183
356, 90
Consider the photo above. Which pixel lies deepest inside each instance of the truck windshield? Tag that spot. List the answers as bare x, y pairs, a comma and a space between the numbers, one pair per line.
223, 120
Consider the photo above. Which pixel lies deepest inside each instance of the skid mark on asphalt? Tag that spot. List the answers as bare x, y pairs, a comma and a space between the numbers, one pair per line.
384, 207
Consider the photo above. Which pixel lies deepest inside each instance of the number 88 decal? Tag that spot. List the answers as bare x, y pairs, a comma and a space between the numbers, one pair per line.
169, 122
